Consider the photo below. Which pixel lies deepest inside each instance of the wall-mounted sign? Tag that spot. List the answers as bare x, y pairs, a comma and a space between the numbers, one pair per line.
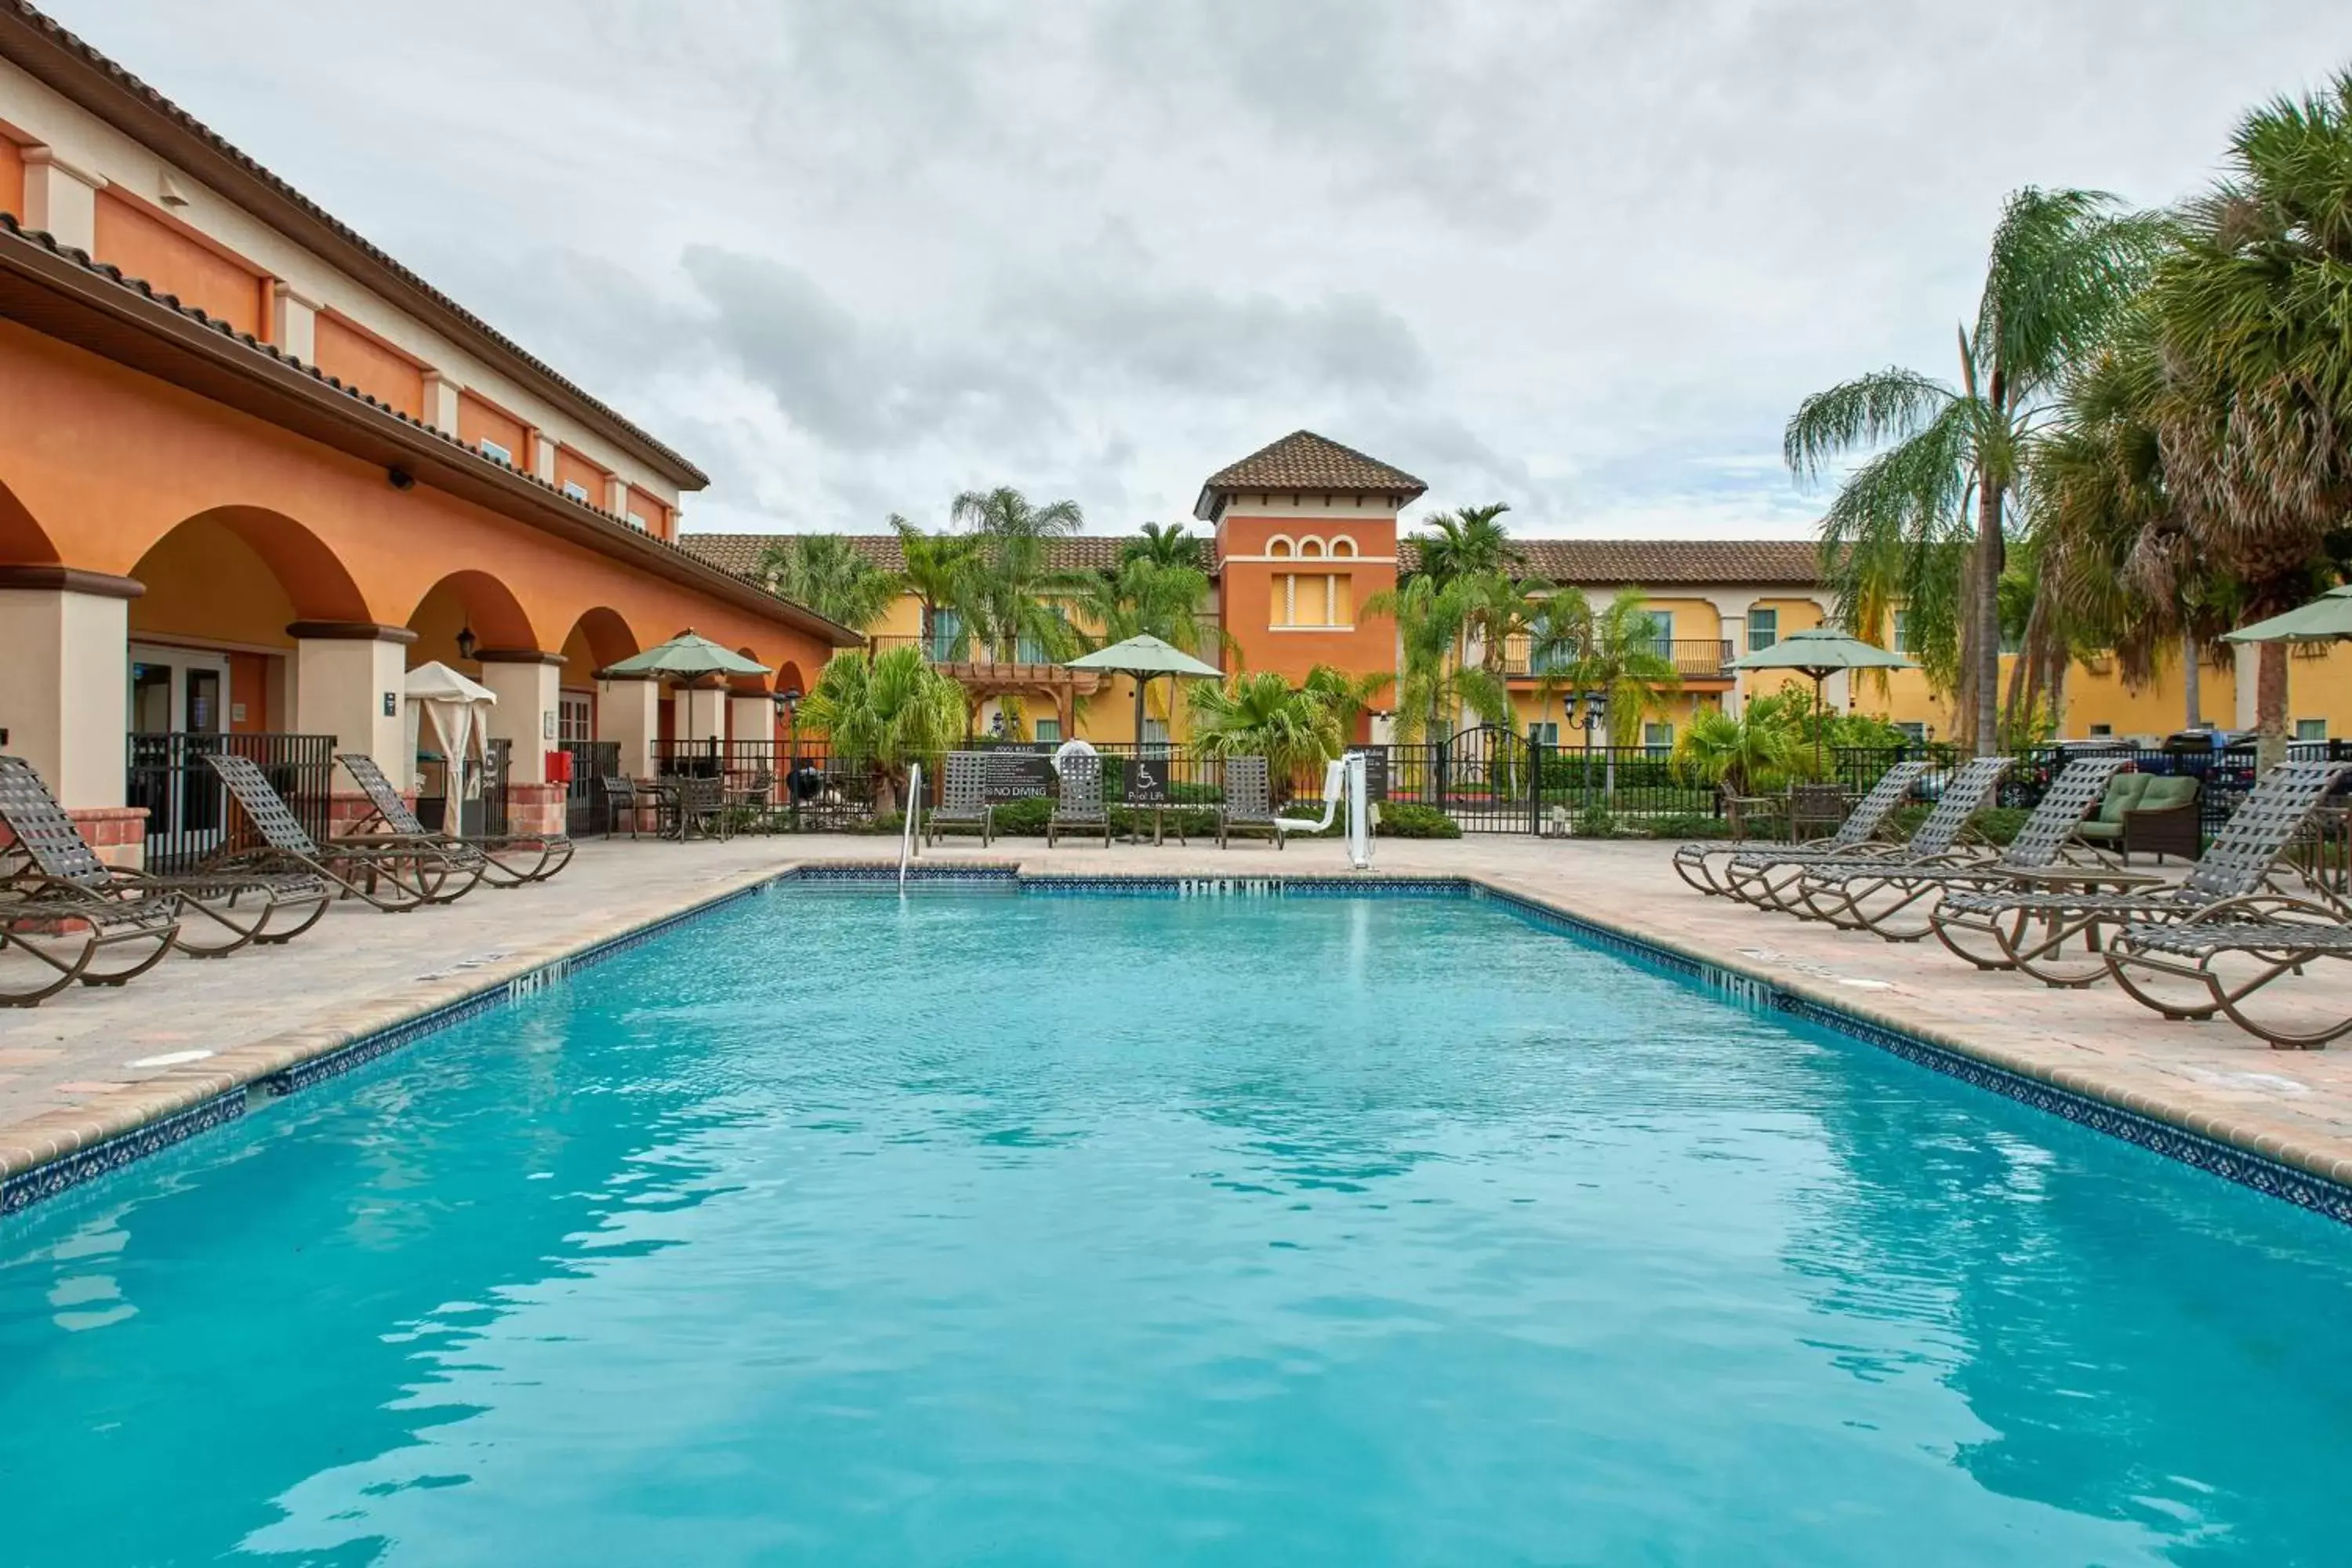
391, 704
1019, 774
1147, 781
547, 724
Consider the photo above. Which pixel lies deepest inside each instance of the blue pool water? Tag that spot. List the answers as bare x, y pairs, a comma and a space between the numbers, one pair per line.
998, 1229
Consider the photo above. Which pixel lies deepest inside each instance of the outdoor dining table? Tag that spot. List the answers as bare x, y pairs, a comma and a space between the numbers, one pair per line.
672, 820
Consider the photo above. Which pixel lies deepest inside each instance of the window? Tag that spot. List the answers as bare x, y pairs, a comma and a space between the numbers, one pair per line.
1662, 632
1658, 738
495, 452
573, 721
1343, 545
1278, 546
1319, 599
1763, 629
638, 524
2097, 730
1902, 631
939, 641
2311, 729
1544, 732
575, 489
1310, 547
1048, 731
1155, 733
1913, 731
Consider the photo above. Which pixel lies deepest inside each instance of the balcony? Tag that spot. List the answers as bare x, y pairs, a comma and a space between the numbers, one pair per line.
1694, 658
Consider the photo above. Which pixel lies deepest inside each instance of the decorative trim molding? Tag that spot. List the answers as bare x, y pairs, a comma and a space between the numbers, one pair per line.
70, 580
348, 631
515, 656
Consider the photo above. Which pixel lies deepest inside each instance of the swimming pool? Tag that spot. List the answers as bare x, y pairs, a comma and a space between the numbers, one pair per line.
1015, 1229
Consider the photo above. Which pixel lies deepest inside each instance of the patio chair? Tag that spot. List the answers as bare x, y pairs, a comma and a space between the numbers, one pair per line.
1080, 806
393, 876
535, 856
620, 792
1945, 837
2030, 928
702, 808
1862, 827
2154, 814
1892, 899
62, 869
1249, 802
963, 800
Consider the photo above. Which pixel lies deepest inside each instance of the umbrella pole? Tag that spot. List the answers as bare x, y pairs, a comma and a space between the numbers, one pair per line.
1819, 725
1140, 679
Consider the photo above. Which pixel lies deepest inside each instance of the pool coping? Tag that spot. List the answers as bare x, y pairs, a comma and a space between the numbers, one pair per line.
62, 1150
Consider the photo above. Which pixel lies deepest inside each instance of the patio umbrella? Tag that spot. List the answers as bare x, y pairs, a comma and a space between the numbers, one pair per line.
2328, 618
1821, 653
687, 656
1143, 656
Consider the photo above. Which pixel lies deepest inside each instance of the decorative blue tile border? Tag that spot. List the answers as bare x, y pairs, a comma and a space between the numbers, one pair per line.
2302, 1188
28, 1187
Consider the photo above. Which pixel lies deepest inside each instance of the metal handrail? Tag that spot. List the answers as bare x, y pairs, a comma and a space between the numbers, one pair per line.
907, 838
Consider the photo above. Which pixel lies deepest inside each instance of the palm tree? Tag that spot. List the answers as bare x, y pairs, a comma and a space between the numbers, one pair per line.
1347, 696
943, 574
2252, 308
1263, 715
1433, 684
1900, 528
1466, 542
1163, 545
1498, 607
890, 710
1739, 756
1615, 652
830, 576
1016, 597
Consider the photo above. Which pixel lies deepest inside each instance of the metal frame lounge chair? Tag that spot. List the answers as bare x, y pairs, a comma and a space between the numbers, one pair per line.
2031, 929
1943, 838
1893, 900
2276, 936
963, 806
1248, 806
234, 908
1080, 806
1863, 826
67, 932
394, 821
393, 876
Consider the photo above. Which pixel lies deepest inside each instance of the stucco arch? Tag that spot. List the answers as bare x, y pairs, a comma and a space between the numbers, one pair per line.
790, 678
318, 585
749, 685
471, 601
23, 541
599, 636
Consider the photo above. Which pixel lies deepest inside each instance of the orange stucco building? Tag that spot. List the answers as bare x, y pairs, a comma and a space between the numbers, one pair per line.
252, 470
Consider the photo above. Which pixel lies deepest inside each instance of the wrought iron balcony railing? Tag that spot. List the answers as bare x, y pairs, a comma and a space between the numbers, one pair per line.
1694, 658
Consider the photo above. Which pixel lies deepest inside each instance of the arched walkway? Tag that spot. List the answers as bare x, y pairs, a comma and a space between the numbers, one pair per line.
465, 602
23, 541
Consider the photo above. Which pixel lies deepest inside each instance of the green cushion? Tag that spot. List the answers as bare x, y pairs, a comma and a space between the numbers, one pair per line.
2166, 791
2123, 792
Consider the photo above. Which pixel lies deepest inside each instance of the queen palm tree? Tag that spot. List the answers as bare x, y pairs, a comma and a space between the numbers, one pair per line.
1016, 599
1467, 542
2253, 314
1263, 715
1163, 545
1613, 651
890, 710
830, 576
1923, 519
1433, 683
943, 574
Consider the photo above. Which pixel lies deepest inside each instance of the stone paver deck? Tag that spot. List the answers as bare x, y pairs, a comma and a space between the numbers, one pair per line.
92, 1063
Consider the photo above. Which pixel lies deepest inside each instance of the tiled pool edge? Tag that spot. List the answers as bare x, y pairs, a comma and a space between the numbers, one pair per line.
31, 1170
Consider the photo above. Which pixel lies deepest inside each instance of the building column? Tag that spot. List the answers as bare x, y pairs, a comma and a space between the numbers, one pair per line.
616, 499
441, 402
349, 680
701, 713
2246, 664
629, 711
524, 716
751, 720
293, 322
61, 198
543, 455
64, 680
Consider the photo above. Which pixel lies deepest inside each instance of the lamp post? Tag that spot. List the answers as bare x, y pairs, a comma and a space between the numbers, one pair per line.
1589, 711
788, 707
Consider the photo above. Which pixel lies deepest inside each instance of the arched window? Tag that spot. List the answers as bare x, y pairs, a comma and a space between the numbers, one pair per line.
1278, 546
1343, 545
1311, 546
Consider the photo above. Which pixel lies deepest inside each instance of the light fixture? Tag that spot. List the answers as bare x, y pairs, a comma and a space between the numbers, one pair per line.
465, 641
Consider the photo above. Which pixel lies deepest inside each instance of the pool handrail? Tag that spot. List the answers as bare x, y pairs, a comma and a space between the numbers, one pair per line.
909, 839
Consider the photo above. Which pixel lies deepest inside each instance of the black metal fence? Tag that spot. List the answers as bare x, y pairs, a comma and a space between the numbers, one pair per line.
584, 808
189, 814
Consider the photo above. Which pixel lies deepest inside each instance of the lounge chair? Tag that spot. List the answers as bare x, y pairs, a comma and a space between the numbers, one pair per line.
1943, 838
1892, 899
76, 933
2149, 814
509, 860
963, 800
2030, 928
392, 876
2278, 936
1079, 807
1249, 802
218, 912
1862, 826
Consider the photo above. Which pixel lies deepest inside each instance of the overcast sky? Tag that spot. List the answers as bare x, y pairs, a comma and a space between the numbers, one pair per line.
854, 256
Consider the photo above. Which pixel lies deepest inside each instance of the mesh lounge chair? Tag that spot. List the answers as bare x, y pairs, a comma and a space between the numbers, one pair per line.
2274, 937
1249, 802
1080, 807
1893, 900
395, 877
1863, 826
77, 933
508, 859
1942, 840
963, 800
218, 912
2032, 928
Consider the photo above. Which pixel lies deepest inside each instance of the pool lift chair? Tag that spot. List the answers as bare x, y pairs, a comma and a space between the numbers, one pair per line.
1708, 867
1343, 781
1894, 899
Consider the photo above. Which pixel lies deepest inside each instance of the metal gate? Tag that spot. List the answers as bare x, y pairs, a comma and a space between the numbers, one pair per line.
1485, 778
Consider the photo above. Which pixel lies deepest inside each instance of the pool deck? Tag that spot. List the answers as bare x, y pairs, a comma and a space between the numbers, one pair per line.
92, 1064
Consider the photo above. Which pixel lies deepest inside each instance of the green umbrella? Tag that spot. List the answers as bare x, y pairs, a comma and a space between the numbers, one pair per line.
2328, 618
1821, 653
1143, 656
687, 656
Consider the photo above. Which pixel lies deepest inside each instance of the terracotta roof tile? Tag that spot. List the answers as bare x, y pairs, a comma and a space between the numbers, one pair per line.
1304, 461
1661, 563
57, 37
740, 552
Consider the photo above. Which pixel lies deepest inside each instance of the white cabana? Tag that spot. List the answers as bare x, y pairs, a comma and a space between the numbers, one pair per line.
460, 712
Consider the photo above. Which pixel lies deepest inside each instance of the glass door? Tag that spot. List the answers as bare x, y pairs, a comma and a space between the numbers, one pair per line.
179, 706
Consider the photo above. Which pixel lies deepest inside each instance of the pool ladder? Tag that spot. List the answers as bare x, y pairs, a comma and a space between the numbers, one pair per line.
910, 838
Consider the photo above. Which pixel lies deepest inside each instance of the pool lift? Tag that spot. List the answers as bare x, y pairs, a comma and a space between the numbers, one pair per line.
1343, 779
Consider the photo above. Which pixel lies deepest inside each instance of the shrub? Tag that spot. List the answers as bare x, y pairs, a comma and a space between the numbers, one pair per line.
1596, 821
1408, 821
